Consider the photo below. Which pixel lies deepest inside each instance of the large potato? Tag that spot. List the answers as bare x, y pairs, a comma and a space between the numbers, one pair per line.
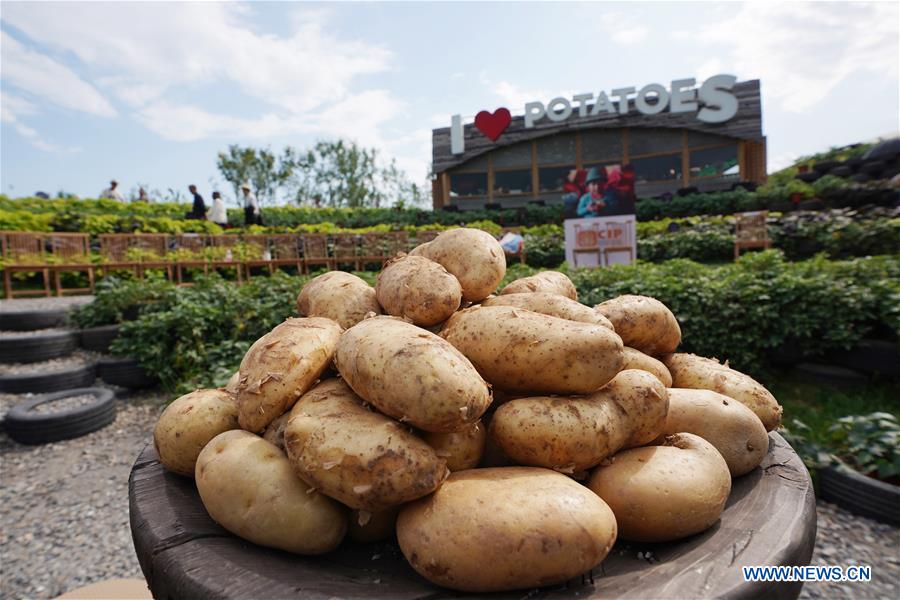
248, 487
635, 359
551, 304
696, 372
233, 383
473, 256
355, 455
188, 424
570, 434
274, 433
461, 449
517, 349
643, 323
419, 290
664, 493
551, 282
731, 427
341, 297
366, 527
411, 375
281, 365
489, 530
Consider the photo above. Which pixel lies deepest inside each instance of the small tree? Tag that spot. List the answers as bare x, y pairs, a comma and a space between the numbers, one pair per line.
260, 167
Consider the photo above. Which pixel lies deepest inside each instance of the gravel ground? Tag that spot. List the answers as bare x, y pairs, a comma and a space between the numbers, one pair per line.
64, 515
25, 304
33, 332
64, 506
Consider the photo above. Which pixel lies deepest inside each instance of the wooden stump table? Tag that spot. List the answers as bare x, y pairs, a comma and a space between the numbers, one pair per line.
770, 519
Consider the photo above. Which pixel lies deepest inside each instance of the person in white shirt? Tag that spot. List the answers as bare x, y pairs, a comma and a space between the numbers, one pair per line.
251, 206
218, 214
111, 193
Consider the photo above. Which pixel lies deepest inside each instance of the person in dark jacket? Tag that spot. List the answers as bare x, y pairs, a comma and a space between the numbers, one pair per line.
198, 211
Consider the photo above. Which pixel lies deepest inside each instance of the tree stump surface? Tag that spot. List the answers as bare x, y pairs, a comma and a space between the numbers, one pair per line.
770, 519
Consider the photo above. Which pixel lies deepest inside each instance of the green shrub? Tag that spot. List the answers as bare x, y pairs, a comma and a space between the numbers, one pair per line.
116, 299
869, 444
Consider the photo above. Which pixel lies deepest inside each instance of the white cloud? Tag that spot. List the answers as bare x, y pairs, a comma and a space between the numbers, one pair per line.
11, 108
43, 77
802, 51
622, 28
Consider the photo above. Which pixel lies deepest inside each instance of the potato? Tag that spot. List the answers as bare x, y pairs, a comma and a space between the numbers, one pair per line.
664, 493
551, 282
418, 290
516, 349
366, 527
274, 433
473, 256
731, 427
188, 424
248, 487
643, 323
696, 372
570, 434
357, 456
341, 297
233, 382
411, 375
461, 449
489, 530
551, 304
281, 366
419, 250
635, 359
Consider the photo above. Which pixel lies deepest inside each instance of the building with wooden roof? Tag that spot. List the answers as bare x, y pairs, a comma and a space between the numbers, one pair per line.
530, 158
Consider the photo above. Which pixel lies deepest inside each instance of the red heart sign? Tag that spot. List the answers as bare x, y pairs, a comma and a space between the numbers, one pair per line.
493, 125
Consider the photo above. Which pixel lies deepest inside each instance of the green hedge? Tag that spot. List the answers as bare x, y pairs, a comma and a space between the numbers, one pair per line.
196, 336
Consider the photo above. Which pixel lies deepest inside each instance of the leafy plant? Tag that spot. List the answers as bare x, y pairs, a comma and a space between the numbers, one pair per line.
868, 443
117, 299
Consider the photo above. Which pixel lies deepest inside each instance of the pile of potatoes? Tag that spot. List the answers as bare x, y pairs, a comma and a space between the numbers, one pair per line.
506, 440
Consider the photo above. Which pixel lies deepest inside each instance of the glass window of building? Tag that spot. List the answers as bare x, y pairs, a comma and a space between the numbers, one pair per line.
512, 182
511, 157
650, 140
712, 162
468, 184
601, 145
551, 179
557, 149
697, 139
657, 168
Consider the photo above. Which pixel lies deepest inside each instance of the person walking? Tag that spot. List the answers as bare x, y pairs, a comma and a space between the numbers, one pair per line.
111, 193
217, 213
198, 211
251, 206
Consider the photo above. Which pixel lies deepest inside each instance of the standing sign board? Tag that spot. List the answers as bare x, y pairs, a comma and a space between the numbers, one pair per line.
601, 241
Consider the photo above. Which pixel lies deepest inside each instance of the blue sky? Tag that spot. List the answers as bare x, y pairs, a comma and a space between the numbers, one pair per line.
149, 92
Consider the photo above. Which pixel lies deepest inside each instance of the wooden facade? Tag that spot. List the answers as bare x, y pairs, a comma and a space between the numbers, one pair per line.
665, 141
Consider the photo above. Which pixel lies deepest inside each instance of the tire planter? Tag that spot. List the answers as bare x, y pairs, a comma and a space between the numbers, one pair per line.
870, 356
829, 374
76, 377
28, 427
823, 166
809, 176
859, 494
35, 348
98, 339
841, 171
32, 320
124, 372
770, 519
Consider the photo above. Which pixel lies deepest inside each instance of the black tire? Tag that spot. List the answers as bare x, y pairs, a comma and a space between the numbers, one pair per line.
870, 356
124, 372
890, 171
33, 319
872, 167
35, 348
860, 177
27, 427
809, 176
76, 377
829, 374
860, 494
98, 339
812, 204
824, 166
841, 171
